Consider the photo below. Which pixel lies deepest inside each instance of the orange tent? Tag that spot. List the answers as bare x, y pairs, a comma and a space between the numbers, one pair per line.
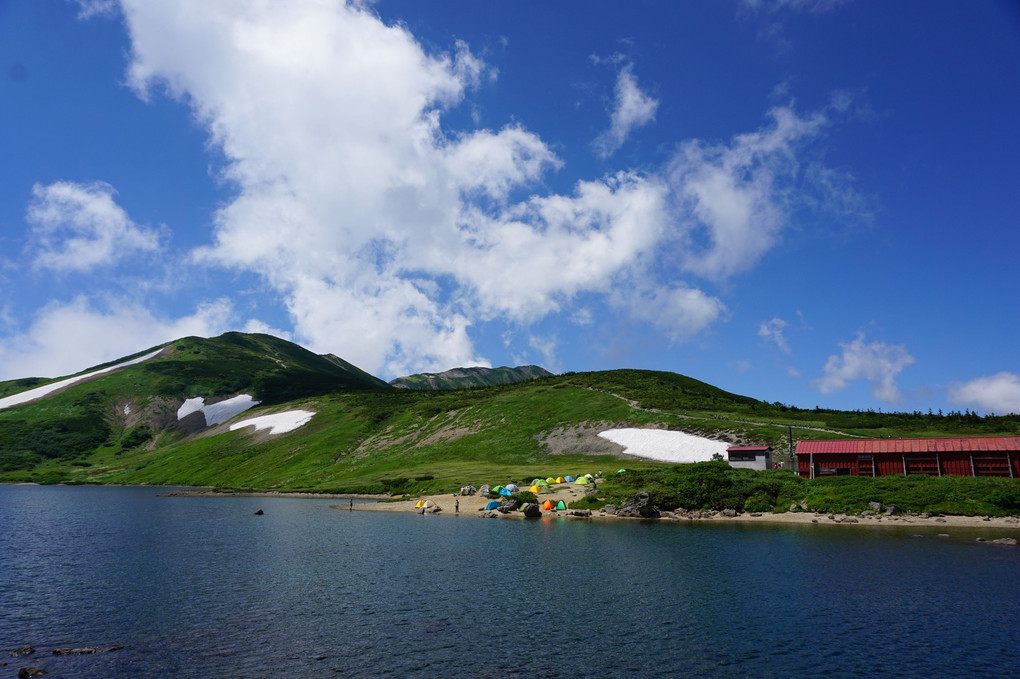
547, 505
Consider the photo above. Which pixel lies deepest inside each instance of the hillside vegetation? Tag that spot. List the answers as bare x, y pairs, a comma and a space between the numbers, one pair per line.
369, 437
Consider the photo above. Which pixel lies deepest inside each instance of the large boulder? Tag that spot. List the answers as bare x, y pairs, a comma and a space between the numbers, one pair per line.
532, 510
509, 505
639, 506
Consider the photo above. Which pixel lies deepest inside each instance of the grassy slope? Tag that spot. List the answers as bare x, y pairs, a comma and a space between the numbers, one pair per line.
401, 441
70, 424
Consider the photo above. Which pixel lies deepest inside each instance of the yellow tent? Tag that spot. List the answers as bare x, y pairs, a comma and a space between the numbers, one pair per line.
560, 479
534, 489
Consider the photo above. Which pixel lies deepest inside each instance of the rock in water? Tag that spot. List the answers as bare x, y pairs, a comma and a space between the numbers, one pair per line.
27, 672
259, 513
639, 506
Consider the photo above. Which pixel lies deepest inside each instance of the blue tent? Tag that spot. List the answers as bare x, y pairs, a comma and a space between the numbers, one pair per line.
505, 491
569, 479
493, 504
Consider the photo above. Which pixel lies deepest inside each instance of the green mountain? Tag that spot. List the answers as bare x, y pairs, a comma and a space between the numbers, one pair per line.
463, 378
139, 404
145, 424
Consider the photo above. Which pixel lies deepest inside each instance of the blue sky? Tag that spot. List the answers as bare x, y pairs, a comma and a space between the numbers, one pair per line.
805, 201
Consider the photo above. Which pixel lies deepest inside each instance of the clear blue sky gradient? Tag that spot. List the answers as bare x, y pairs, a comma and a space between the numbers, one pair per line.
877, 269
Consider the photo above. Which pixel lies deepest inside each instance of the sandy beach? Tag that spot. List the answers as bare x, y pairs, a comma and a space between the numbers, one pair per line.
472, 506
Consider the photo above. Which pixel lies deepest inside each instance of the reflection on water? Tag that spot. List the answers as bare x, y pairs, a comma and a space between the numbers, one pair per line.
200, 586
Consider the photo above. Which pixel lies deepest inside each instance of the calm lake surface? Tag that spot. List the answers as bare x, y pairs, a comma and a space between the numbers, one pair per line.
198, 587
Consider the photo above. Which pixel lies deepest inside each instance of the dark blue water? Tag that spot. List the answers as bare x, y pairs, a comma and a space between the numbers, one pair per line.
197, 587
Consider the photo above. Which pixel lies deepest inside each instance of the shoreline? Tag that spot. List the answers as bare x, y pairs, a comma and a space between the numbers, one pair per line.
473, 506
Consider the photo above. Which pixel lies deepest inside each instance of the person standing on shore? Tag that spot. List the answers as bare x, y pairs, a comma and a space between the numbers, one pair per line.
456, 506
351, 508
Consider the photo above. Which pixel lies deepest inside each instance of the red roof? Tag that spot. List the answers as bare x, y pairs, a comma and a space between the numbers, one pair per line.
930, 445
748, 449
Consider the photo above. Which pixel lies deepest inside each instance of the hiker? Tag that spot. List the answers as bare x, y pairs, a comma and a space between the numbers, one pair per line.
456, 506
351, 508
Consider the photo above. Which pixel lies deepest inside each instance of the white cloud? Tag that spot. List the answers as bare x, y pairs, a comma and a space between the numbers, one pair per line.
66, 338
877, 362
389, 236
772, 331
677, 313
732, 198
632, 108
999, 393
546, 347
78, 227
90, 8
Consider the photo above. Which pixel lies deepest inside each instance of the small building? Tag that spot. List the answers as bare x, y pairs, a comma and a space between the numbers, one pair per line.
750, 457
952, 456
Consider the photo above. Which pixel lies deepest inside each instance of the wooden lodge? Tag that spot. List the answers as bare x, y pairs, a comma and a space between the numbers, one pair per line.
964, 456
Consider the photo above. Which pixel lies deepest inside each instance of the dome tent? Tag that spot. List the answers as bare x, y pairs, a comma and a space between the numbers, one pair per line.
493, 504
561, 505
547, 505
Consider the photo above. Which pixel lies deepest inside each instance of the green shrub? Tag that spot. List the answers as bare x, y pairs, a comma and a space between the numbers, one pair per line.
524, 497
759, 502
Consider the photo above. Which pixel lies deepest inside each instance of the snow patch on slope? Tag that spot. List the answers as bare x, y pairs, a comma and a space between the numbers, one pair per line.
665, 446
46, 390
277, 423
216, 413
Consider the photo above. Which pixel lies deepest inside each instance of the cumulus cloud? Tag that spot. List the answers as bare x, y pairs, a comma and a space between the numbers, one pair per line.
388, 235
78, 227
632, 108
66, 338
732, 198
772, 331
999, 393
877, 362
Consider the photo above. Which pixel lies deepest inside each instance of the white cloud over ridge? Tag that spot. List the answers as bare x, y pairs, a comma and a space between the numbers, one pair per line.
78, 227
877, 362
66, 335
389, 236
999, 393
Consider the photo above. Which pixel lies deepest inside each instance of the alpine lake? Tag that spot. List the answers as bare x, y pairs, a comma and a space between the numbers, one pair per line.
203, 587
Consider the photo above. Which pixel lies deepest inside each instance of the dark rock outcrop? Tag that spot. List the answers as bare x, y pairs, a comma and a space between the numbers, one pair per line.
21, 652
28, 672
639, 506
532, 510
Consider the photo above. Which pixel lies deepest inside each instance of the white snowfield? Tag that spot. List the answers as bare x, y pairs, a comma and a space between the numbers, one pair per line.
277, 423
216, 413
665, 446
46, 390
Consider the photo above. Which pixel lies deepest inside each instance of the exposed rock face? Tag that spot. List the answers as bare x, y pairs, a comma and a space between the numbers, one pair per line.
21, 652
27, 672
532, 510
609, 509
876, 506
509, 505
639, 506
729, 512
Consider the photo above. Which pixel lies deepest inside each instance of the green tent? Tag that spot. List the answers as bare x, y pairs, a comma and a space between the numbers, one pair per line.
497, 489
621, 471
561, 505
551, 479
582, 481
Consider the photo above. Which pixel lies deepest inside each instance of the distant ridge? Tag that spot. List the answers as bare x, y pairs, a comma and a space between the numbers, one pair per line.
463, 378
